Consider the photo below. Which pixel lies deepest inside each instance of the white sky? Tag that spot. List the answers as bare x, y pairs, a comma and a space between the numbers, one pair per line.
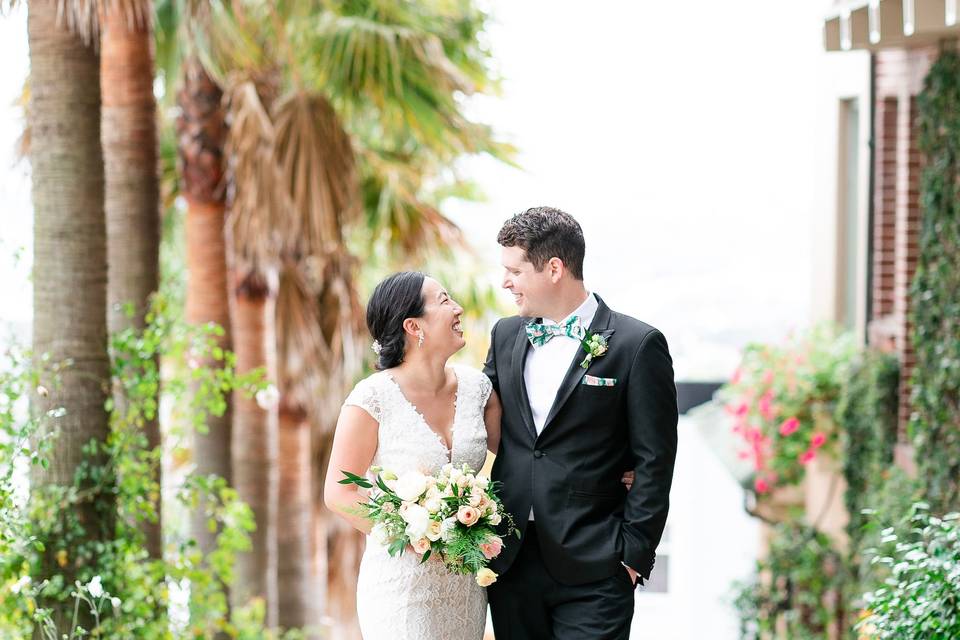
679, 133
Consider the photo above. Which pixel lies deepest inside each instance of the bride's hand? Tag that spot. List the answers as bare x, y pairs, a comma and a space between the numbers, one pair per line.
627, 479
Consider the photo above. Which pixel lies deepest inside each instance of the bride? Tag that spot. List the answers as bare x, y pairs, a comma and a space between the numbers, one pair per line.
417, 412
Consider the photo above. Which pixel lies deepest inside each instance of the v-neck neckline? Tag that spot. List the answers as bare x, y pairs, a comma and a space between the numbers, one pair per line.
423, 420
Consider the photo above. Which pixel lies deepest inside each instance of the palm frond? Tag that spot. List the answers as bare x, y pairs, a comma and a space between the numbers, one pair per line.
256, 200
319, 329
316, 163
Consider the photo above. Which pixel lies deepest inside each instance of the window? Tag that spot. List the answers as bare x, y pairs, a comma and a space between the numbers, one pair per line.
848, 236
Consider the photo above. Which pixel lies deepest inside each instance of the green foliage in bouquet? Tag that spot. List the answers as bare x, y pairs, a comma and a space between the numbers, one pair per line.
454, 514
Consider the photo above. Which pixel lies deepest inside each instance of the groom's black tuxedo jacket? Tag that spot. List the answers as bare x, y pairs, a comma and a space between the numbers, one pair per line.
587, 521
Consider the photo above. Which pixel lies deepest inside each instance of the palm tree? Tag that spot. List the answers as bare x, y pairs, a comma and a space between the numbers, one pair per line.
132, 195
201, 132
389, 75
70, 268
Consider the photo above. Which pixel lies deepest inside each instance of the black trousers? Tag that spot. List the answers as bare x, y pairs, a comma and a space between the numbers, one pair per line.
526, 603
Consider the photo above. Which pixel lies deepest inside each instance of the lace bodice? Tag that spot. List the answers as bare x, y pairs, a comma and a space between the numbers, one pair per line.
400, 598
406, 441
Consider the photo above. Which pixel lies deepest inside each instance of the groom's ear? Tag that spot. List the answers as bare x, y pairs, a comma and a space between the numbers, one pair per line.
555, 269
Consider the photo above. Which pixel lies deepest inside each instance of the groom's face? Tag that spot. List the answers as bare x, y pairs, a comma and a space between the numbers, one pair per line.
531, 289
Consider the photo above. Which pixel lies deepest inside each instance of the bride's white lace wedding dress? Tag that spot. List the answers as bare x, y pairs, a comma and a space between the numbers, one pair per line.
399, 598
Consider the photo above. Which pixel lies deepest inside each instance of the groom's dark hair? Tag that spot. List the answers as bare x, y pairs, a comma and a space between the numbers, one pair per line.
544, 233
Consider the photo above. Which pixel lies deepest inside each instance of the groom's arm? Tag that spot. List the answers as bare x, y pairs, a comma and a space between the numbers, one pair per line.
490, 366
652, 425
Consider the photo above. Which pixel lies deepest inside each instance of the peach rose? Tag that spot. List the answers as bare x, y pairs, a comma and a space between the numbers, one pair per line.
421, 546
468, 516
486, 577
492, 548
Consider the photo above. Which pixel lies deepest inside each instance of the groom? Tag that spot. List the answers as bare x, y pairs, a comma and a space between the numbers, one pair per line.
573, 421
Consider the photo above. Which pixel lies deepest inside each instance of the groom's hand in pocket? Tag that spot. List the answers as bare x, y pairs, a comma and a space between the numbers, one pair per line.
627, 479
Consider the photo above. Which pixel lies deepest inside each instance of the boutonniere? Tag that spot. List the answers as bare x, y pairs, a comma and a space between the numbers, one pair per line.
595, 345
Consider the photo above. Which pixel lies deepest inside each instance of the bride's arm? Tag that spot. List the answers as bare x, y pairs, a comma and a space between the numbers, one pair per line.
354, 445
491, 416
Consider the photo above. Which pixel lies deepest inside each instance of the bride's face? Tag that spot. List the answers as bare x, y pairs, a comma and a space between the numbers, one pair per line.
441, 319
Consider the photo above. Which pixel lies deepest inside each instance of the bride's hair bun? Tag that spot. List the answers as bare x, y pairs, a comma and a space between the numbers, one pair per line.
395, 299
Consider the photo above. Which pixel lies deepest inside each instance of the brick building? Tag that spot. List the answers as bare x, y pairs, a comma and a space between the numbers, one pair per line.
874, 208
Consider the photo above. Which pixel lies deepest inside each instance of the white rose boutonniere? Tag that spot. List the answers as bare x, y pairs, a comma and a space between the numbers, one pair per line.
595, 345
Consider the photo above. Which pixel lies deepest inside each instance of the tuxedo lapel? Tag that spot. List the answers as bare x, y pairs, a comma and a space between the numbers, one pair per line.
520, 349
575, 373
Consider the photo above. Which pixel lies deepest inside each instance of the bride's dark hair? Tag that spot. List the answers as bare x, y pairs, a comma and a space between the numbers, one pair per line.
395, 299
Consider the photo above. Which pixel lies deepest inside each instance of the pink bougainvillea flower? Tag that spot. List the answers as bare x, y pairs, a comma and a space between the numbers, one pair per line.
790, 425
807, 456
768, 377
818, 439
766, 406
760, 485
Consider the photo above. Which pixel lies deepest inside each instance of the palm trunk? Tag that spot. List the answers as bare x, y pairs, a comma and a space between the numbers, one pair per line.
255, 447
69, 275
202, 133
341, 563
297, 600
129, 136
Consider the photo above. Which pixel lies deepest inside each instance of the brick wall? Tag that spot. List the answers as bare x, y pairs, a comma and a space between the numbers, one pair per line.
897, 213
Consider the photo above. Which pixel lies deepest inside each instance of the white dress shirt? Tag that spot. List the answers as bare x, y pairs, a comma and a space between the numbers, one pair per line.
547, 365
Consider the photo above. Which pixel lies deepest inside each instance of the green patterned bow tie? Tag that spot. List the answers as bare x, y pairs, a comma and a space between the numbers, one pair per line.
541, 334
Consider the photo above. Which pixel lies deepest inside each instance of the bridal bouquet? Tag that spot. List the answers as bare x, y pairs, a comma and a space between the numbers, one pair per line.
452, 515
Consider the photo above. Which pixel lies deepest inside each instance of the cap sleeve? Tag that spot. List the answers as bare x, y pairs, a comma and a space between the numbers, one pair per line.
364, 395
485, 388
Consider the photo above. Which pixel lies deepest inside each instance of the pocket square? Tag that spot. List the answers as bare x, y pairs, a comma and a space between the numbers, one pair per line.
593, 381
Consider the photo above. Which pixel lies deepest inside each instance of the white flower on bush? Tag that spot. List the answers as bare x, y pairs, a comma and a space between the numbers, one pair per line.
268, 397
417, 519
18, 586
411, 485
115, 601
95, 587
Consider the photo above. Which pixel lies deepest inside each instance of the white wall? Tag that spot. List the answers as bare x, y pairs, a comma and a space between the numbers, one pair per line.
713, 543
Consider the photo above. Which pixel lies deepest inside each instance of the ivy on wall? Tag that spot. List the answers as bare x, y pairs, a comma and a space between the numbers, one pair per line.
935, 292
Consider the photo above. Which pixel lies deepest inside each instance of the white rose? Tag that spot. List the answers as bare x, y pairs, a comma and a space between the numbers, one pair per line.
475, 499
434, 531
411, 485
379, 534
494, 518
433, 504
417, 519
